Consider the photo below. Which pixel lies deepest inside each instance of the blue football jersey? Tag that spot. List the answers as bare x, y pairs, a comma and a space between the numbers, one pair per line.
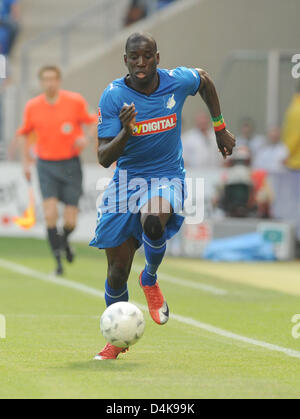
155, 148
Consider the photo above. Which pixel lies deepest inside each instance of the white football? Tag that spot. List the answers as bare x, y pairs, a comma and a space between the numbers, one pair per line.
122, 324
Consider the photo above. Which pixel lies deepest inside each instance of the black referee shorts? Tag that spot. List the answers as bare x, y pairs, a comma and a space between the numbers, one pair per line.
61, 179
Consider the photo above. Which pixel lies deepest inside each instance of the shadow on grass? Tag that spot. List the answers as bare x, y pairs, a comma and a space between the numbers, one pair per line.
108, 365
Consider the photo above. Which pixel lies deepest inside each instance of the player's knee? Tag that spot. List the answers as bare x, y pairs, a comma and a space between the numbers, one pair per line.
117, 276
153, 228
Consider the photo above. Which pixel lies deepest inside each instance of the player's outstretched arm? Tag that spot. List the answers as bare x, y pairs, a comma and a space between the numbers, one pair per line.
110, 149
207, 90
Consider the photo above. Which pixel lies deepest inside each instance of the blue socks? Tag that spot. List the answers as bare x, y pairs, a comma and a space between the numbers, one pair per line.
114, 296
154, 253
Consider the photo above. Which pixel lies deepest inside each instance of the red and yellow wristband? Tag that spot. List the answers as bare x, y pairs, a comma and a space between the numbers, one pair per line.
218, 123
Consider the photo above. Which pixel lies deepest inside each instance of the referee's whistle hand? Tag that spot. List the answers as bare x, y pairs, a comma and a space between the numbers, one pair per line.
81, 143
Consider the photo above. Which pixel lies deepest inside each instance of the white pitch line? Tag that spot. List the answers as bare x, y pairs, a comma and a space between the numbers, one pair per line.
23, 270
230, 335
185, 283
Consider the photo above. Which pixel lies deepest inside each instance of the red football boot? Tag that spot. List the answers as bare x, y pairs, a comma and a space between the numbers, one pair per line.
109, 352
158, 307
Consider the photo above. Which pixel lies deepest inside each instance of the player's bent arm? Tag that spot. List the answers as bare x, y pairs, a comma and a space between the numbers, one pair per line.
110, 149
209, 94
207, 90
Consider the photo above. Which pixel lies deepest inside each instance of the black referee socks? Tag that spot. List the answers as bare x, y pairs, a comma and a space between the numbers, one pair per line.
55, 241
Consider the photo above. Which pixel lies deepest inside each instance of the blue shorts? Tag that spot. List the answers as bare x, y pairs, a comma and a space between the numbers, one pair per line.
119, 216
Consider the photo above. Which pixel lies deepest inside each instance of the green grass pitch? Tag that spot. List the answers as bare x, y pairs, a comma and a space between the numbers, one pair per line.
53, 333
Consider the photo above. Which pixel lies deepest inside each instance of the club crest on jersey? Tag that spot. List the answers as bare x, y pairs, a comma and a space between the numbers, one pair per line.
171, 102
155, 126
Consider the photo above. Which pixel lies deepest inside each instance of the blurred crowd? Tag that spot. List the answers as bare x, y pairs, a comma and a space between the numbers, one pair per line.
243, 189
139, 9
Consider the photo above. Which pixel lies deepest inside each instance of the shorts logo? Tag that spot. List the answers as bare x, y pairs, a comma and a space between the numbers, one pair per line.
100, 115
67, 128
156, 126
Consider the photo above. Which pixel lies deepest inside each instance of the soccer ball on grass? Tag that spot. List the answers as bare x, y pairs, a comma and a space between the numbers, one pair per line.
122, 324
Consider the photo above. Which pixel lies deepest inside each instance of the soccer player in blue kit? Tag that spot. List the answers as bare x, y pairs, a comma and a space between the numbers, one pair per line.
140, 128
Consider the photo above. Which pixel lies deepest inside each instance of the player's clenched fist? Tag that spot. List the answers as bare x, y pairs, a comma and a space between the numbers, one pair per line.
128, 118
226, 142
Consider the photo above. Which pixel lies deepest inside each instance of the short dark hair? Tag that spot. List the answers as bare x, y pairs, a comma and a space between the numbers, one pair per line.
54, 68
140, 36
